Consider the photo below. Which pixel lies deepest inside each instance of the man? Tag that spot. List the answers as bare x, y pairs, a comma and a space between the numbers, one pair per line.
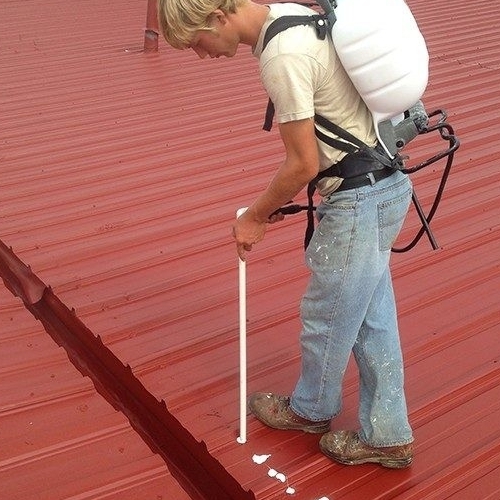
349, 304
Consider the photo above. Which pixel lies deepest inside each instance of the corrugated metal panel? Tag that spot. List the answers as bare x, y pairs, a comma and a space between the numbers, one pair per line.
121, 174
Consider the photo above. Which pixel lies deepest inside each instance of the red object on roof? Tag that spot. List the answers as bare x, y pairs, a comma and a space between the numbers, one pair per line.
120, 175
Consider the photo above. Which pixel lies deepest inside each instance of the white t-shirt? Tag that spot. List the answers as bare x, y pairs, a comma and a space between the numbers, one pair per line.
303, 76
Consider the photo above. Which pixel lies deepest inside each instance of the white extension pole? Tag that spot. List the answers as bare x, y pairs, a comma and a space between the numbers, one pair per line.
242, 279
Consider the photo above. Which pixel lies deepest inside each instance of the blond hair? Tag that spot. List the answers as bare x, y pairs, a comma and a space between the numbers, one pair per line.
179, 20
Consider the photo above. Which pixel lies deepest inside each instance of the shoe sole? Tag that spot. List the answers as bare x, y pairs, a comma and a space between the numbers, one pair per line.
400, 463
311, 429
308, 430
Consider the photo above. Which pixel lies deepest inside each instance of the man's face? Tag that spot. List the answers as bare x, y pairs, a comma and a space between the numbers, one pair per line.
222, 41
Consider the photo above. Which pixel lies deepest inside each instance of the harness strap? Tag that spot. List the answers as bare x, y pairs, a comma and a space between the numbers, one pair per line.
268, 119
277, 26
284, 22
335, 143
349, 138
311, 187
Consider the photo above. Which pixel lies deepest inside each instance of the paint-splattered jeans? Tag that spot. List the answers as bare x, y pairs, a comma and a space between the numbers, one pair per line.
349, 306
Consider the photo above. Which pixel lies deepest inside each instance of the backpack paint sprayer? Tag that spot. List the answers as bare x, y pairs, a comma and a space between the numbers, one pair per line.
382, 50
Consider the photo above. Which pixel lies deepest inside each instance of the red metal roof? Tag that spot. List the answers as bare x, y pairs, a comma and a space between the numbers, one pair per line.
120, 176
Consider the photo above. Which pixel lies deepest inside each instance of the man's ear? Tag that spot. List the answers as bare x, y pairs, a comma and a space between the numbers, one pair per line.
220, 16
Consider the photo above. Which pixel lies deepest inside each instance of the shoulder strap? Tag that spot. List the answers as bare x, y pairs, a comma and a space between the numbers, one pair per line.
284, 22
281, 24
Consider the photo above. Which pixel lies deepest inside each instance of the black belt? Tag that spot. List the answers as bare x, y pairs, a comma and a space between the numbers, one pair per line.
365, 179
357, 181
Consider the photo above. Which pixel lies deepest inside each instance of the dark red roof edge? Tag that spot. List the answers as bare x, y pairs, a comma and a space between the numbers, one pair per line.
189, 461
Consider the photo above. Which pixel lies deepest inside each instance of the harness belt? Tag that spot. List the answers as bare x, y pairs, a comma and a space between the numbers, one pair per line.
369, 178
360, 168
365, 179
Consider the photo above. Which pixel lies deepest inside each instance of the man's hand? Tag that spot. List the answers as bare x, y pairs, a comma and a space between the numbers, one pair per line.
249, 230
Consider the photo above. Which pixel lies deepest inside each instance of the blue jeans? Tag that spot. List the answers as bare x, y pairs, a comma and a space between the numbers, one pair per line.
349, 306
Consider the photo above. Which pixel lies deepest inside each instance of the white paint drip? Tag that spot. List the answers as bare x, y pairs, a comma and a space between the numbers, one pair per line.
260, 459
281, 477
272, 473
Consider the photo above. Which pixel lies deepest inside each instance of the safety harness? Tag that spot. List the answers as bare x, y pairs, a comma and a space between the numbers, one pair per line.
364, 164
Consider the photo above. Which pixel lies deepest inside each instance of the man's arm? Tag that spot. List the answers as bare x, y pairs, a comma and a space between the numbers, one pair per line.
300, 166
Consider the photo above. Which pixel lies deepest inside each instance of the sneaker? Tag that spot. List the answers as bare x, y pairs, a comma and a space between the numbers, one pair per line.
275, 412
346, 447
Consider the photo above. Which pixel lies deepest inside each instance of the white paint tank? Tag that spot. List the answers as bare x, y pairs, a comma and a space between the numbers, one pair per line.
384, 53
